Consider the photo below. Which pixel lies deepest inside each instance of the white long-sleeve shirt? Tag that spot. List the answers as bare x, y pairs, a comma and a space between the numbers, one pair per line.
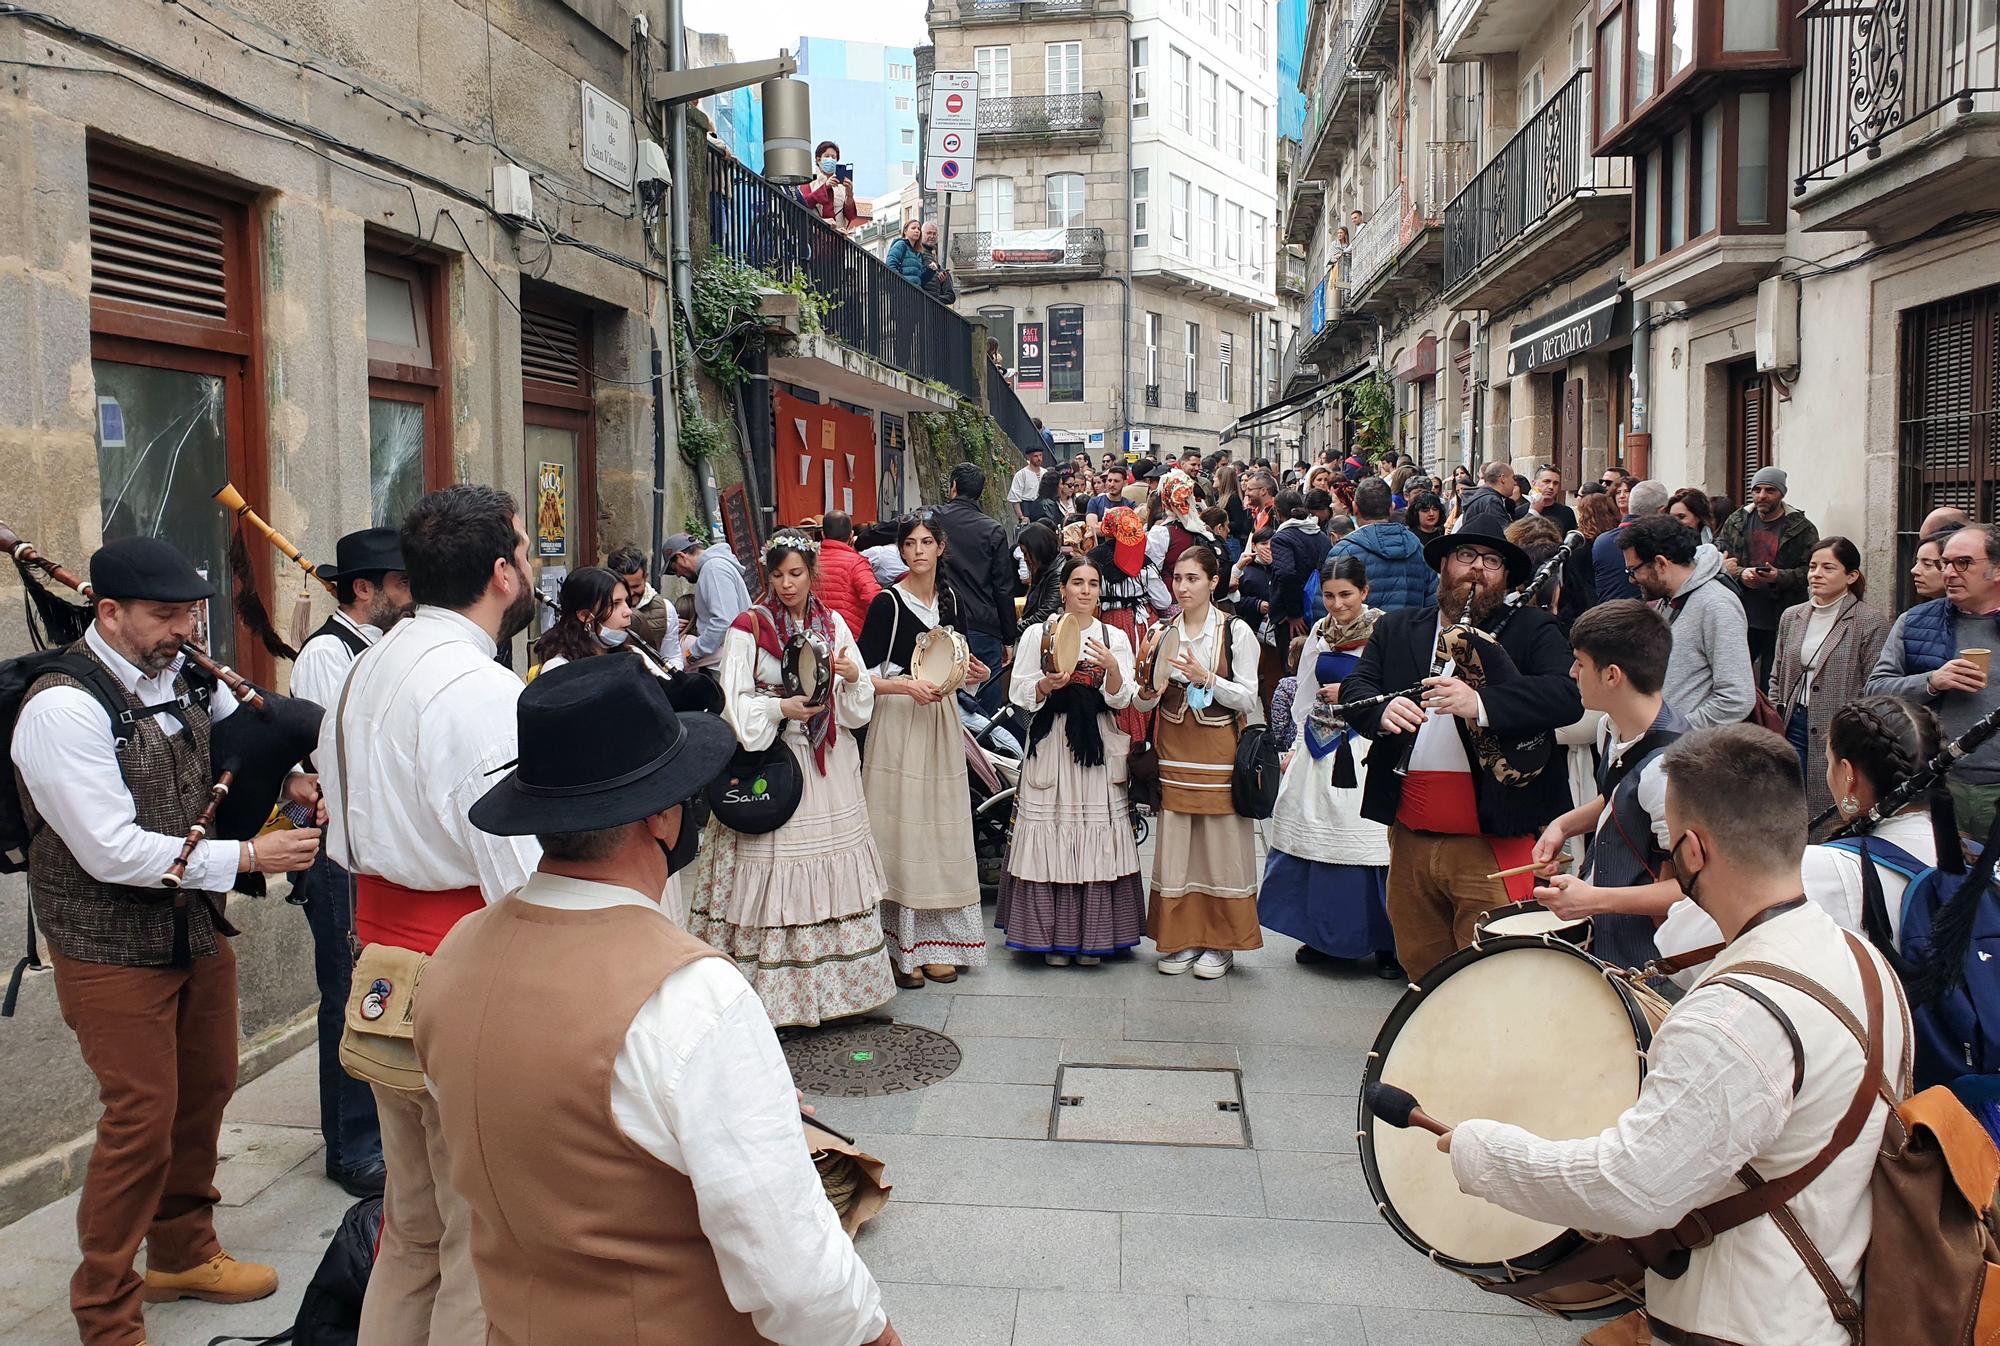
1235, 691
68, 759
701, 1085
324, 660
753, 712
1027, 666
430, 719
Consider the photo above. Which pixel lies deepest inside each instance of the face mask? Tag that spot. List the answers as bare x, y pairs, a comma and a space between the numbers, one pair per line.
681, 854
1021, 566
611, 640
827, 166
1682, 879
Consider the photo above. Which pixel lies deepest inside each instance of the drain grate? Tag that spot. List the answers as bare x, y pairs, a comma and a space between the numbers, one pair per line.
1150, 1105
866, 1060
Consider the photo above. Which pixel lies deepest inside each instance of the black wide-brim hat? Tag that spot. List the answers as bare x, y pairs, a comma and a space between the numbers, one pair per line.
372, 551
1480, 533
601, 746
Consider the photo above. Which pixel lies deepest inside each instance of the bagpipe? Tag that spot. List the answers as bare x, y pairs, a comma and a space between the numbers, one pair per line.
1921, 781
250, 609
255, 749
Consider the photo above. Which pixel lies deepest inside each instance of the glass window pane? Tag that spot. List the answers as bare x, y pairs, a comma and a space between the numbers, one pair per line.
1611, 73
395, 459
1753, 159
392, 310
1675, 169
1681, 39
1709, 169
556, 529
1749, 25
1645, 51
170, 452
1649, 244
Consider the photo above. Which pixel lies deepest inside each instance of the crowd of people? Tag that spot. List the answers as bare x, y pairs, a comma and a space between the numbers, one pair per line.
1468, 677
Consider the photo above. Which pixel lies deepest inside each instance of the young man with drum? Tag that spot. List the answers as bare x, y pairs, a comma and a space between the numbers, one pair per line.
1622, 649
1749, 1073
1467, 780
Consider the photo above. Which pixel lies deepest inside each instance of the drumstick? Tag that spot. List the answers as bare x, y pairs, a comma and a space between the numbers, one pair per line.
1519, 870
1398, 1107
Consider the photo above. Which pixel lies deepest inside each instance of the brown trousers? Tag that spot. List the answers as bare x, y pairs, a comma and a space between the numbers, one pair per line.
423, 1290
1437, 892
162, 1042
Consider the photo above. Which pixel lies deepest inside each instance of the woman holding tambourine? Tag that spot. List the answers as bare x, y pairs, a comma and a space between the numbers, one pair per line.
914, 772
796, 906
1071, 888
1203, 678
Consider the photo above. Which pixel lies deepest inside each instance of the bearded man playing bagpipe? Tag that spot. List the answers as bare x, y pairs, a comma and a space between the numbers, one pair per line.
1463, 698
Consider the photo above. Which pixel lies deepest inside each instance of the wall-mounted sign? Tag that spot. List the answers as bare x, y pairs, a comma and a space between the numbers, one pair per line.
609, 149
1028, 362
551, 511
1028, 247
1587, 321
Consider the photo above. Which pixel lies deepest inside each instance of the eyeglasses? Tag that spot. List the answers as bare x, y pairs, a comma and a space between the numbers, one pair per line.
1961, 564
1485, 560
1632, 572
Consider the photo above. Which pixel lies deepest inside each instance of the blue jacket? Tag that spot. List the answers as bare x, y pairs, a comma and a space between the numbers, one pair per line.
1608, 559
1930, 637
906, 261
1398, 575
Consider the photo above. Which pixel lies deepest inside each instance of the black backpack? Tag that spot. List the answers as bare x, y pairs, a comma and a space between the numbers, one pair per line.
330, 1312
1253, 788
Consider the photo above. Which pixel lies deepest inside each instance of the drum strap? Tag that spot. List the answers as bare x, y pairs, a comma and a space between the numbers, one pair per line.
1666, 1252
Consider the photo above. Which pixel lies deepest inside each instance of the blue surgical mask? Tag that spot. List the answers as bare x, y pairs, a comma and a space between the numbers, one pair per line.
611, 640
828, 164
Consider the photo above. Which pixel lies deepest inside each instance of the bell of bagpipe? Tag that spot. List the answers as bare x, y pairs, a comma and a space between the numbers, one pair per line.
261, 747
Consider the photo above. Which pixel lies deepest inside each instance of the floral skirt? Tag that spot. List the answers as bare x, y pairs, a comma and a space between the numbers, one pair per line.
953, 937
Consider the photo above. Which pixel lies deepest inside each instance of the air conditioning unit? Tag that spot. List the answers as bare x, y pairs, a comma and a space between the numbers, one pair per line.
1778, 326
513, 194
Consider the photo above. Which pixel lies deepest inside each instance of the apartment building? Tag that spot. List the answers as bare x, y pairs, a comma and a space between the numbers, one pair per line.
864, 98
1120, 238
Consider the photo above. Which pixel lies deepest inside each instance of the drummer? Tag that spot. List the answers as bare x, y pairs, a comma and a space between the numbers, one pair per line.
1627, 885
1725, 1085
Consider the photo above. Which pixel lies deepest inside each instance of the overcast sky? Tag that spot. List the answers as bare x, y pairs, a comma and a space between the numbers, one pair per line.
757, 28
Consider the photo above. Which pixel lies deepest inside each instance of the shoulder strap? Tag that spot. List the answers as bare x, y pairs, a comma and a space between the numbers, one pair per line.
347, 813
1882, 853
340, 631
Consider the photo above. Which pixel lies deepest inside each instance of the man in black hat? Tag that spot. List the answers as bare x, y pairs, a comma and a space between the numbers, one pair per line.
680, 1193
372, 586
1466, 774
143, 971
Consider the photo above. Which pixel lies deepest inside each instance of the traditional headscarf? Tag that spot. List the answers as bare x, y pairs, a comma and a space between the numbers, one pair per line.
774, 636
1127, 532
1183, 506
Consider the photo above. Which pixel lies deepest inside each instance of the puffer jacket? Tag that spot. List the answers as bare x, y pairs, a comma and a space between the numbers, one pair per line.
1485, 502
1398, 575
907, 261
845, 582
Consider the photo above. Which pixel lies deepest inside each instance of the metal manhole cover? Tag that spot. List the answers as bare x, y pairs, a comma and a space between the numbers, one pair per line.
865, 1060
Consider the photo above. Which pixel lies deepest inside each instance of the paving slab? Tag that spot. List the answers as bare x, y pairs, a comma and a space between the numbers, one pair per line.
253, 1157
1304, 1186
1271, 1068
1061, 1318
995, 1016
994, 1246
1432, 1327
1111, 1052
1301, 1122
1018, 1111
1008, 1061
1150, 1105
1261, 1322
954, 1170
950, 1315
285, 1095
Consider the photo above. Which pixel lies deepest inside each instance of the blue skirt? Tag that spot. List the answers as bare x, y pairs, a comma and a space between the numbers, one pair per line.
1337, 909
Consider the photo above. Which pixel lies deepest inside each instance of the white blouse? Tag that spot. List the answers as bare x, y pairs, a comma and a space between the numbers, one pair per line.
1021, 688
1237, 690
753, 712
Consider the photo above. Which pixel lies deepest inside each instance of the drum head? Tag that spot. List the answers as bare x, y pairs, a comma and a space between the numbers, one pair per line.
1164, 653
810, 668
939, 659
1513, 1030
1534, 919
1065, 642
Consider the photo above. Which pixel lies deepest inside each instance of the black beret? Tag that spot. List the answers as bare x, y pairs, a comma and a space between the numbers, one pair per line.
146, 569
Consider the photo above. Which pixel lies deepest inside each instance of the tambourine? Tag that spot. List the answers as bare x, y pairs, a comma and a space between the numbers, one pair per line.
1164, 648
1062, 644
940, 659
808, 668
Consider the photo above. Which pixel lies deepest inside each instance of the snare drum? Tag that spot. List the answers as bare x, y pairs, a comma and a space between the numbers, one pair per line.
1534, 920
939, 659
1527, 1030
808, 668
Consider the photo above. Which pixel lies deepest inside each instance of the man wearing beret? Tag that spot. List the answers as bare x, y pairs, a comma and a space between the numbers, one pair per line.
681, 1194
143, 972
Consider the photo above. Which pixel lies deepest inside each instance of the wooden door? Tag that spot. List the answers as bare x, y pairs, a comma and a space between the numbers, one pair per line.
1569, 430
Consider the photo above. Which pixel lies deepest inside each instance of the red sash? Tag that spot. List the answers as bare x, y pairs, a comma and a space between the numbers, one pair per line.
1443, 801
408, 918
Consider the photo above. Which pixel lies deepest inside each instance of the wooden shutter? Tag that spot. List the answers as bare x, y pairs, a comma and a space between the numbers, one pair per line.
1749, 427
552, 349
158, 254
1950, 392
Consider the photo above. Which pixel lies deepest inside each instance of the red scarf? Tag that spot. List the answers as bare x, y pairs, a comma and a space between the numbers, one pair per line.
772, 634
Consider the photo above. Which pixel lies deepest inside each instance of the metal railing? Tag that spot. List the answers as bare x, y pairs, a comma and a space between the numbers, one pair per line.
1291, 272
1007, 411
1053, 114
1191, 401
1083, 251
994, 11
869, 307
1379, 239
1327, 88
1547, 163
1152, 394
1874, 70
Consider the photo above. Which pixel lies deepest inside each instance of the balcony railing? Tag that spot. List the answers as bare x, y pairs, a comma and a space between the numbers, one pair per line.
1546, 163
1448, 167
1876, 69
1291, 273
1191, 401
1003, 11
1327, 89
870, 308
1008, 251
1065, 115
1377, 242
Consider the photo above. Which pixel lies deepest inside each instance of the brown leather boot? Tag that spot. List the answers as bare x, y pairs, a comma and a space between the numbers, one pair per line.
220, 1280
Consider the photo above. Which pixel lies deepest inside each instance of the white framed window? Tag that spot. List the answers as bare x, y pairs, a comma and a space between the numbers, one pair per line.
1260, 32
1260, 245
1186, 8
1211, 84
1064, 194
1225, 369
1063, 68
1181, 77
902, 72
909, 136
1191, 363
993, 203
1260, 136
1232, 240
1533, 85
1178, 230
1209, 19
904, 104
1152, 350
995, 66
1232, 124
1206, 220
1142, 190
1232, 22
1142, 77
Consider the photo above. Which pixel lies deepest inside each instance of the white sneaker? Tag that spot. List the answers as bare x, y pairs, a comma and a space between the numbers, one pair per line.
1056, 959
1087, 960
1173, 964
1214, 963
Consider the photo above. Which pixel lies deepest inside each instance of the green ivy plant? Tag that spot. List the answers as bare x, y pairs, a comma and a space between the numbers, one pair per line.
1369, 408
728, 298
964, 434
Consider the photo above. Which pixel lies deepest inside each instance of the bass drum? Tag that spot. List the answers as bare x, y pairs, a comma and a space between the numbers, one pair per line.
1516, 1029
1536, 921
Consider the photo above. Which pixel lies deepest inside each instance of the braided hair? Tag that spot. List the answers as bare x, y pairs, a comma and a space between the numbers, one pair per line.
1886, 739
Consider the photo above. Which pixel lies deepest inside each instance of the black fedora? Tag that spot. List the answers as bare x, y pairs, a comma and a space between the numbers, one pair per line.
1480, 533
370, 552
601, 746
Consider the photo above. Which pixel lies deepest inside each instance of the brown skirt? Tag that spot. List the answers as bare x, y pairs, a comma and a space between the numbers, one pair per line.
1204, 883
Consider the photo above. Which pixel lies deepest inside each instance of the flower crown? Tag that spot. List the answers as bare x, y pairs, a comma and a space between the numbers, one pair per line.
790, 539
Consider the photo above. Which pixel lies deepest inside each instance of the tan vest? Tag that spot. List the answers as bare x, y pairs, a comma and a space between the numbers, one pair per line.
1197, 748
579, 1237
